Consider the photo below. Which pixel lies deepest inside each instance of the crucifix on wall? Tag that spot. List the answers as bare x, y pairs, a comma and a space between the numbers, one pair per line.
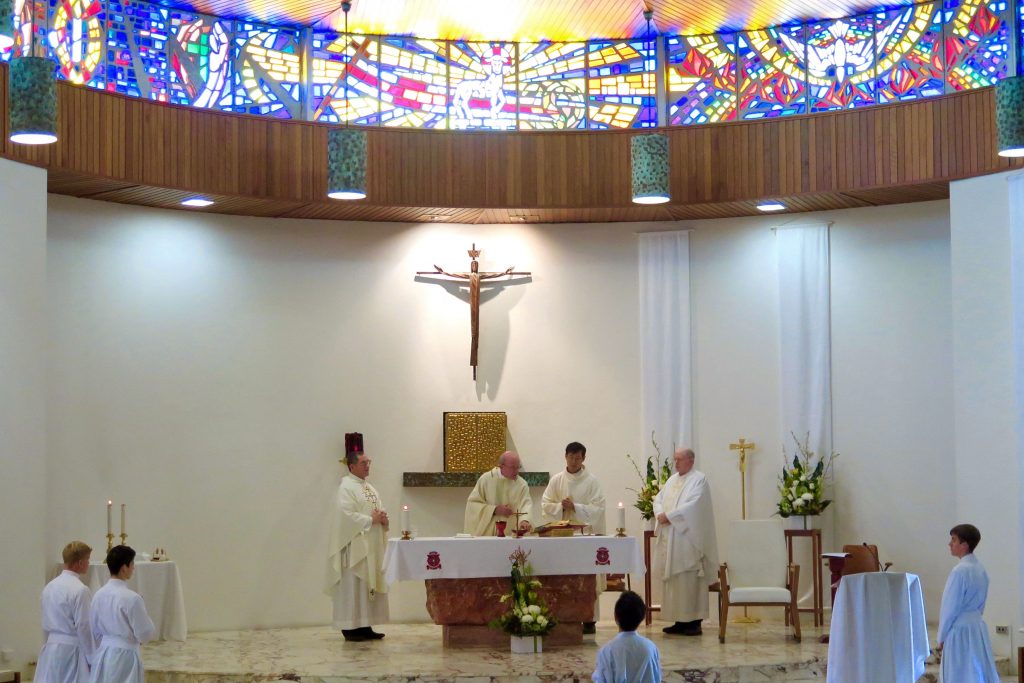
474, 278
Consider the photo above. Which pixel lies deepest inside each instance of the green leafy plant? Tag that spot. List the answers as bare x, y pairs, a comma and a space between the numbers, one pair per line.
527, 615
802, 482
654, 476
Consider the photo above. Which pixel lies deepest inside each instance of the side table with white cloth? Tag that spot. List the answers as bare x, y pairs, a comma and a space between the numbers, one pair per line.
160, 587
879, 631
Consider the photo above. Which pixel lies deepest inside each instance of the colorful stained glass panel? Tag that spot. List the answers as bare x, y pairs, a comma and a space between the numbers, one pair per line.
482, 82
772, 77
701, 78
552, 86
267, 76
622, 84
201, 60
977, 43
413, 83
841, 63
137, 58
909, 43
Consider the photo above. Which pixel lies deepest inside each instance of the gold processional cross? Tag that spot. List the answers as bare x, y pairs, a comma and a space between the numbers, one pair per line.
474, 276
743, 447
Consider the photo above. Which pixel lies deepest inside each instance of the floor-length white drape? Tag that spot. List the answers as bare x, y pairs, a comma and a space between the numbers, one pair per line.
1016, 193
805, 347
665, 340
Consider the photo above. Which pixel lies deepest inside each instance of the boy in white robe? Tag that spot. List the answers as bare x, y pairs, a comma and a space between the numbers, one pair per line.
355, 554
686, 538
575, 495
629, 657
498, 496
119, 621
69, 645
963, 636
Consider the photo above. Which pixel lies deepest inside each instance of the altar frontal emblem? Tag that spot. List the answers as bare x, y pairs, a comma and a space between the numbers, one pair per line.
603, 556
433, 560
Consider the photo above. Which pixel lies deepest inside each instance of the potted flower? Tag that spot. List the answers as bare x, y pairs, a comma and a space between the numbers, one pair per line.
802, 482
652, 479
528, 619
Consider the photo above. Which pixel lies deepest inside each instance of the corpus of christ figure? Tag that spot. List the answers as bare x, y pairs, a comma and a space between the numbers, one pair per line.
474, 276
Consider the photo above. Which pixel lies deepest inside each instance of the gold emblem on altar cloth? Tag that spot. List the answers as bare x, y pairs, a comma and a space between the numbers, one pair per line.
473, 441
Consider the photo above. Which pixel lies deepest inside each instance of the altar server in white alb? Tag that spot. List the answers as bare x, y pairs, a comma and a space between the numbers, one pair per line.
498, 496
69, 645
686, 537
963, 636
575, 495
120, 623
355, 556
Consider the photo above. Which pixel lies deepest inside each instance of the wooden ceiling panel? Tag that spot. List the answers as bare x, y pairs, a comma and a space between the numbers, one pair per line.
529, 20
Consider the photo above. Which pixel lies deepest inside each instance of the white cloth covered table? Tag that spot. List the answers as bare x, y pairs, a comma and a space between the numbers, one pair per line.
474, 558
160, 587
879, 632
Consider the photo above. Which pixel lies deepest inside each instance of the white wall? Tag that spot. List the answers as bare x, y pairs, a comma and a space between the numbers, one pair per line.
22, 408
205, 368
985, 407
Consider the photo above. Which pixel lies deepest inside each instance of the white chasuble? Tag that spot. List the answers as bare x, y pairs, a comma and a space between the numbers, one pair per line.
69, 645
585, 492
355, 578
492, 490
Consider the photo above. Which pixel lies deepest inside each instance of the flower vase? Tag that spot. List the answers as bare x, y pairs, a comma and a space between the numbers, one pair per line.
527, 645
804, 522
650, 524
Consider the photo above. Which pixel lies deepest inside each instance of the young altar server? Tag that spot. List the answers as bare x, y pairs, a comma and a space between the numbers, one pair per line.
629, 657
69, 643
120, 623
963, 636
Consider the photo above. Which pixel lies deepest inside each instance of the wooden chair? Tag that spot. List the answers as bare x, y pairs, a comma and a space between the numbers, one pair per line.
756, 574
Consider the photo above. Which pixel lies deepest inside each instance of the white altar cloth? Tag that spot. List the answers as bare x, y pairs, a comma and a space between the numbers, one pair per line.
473, 558
160, 587
879, 632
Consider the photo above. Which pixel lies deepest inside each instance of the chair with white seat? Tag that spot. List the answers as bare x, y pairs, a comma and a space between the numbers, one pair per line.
756, 574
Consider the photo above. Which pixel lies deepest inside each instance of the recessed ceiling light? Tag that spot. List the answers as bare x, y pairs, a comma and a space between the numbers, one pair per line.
524, 218
771, 206
436, 217
197, 201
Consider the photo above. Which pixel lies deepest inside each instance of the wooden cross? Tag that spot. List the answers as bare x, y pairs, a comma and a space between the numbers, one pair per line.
743, 447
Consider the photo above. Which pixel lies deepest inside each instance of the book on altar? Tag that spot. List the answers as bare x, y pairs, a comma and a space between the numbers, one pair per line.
561, 528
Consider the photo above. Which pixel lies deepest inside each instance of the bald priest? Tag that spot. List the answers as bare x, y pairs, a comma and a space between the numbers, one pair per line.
498, 495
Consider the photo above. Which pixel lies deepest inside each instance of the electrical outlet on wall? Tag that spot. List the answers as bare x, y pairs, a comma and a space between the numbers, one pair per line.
1002, 630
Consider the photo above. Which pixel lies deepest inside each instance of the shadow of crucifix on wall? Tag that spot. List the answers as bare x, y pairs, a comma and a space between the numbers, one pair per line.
468, 287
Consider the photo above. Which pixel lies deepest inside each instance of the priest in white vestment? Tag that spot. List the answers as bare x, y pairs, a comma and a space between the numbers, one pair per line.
69, 646
498, 495
355, 556
575, 495
963, 635
687, 544
120, 623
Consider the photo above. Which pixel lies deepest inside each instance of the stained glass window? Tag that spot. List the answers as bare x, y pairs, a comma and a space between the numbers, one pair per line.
909, 52
772, 78
201, 60
701, 78
622, 84
413, 83
137, 62
482, 82
841, 63
77, 37
267, 76
977, 42
552, 86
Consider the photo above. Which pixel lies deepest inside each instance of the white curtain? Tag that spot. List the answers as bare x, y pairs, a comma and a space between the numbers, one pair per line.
1016, 193
805, 335
665, 340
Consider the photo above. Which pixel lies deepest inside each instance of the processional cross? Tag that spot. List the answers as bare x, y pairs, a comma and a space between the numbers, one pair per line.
743, 447
474, 276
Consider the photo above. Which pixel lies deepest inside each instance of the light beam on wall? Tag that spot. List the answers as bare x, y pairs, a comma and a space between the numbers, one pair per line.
32, 101
1010, 116
650, 168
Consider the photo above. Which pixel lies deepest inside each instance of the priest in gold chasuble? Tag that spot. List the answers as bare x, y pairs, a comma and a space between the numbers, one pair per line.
499, 495
359, 526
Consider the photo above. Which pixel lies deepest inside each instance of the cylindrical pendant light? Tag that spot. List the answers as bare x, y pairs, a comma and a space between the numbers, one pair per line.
346, 163
6, 24
32, 101
1010, 116
650, 168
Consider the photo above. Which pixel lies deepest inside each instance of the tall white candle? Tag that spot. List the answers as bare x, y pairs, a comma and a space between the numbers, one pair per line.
110, 525
405, 518
622, 516
122, 519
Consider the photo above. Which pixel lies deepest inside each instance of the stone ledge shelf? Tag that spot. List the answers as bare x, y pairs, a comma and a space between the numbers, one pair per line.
462, 479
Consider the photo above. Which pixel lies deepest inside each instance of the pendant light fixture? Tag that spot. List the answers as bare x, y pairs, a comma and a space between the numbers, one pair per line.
32, 96
1010, 108
346, 146
649, 158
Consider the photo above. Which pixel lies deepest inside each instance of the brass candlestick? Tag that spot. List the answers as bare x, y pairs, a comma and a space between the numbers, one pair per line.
110, 542
406, 535
124, 537
620, 532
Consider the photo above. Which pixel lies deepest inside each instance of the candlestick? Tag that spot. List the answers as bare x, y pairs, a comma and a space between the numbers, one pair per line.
110, 530
123, 532
405, 520
110, 542
621, 529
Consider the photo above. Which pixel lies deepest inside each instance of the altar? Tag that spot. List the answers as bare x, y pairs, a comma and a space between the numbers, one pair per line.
465, 577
